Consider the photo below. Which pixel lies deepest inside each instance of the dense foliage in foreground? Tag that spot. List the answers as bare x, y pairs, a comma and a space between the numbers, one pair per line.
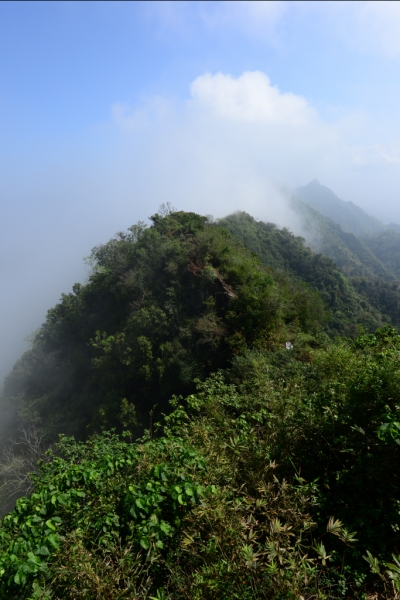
278, 479
275, 474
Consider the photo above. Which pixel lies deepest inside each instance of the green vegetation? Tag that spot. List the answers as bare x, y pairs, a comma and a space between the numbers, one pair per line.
355, 302
163, 306
287, 253
270, 463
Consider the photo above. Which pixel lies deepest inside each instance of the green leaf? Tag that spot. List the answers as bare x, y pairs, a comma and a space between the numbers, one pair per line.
165, 527
54, 540
50, 525
144, 542
20, 578
373, 563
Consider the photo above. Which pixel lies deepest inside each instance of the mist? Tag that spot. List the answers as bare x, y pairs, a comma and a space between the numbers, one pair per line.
108, 112
235, 143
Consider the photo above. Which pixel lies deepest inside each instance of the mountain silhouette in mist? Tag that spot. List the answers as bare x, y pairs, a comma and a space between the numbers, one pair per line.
324, 235
348, 215
360, 244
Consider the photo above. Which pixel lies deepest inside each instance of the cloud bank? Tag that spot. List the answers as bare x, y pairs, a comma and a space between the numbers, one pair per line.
249, 98
235, 142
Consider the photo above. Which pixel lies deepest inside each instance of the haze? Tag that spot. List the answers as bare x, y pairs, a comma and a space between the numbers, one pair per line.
108, 110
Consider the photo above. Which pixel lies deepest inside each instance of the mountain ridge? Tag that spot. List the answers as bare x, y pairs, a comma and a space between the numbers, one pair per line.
360, 244
348, 215
347, 250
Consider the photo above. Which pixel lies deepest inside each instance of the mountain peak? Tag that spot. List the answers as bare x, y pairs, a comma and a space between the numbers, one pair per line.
347, 214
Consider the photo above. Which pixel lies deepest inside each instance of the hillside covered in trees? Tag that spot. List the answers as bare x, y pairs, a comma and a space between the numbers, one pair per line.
233, 402
363, 301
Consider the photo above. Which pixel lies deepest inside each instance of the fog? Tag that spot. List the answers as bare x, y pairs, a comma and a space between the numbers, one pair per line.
233, 144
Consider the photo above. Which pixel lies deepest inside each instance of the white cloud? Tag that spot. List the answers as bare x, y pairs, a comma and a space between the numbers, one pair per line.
249, 98
237, 140
231, 146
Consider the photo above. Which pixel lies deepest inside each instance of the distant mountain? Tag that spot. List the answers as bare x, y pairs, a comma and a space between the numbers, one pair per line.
349, 252
348, 215
359, 244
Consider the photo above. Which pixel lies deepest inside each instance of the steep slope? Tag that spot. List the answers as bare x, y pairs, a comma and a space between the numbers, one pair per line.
163, 306
283, 251
367, 299
348, 251
233, 498
232, 494
348, 215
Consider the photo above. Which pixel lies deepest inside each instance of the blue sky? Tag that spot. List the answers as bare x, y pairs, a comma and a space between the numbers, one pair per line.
109, 109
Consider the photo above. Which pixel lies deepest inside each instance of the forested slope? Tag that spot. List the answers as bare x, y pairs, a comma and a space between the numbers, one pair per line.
366, 301
274, 472
163, 306
282, 250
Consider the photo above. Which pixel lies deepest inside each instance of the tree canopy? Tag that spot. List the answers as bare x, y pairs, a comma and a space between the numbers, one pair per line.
227, 442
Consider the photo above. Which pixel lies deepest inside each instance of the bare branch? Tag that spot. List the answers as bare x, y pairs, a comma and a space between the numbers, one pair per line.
19, 459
